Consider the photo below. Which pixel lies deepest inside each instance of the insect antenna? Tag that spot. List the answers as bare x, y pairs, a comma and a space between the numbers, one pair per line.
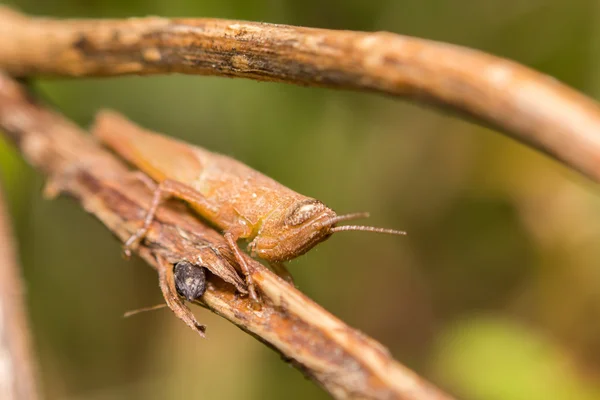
141, 310
367, 229
345, 217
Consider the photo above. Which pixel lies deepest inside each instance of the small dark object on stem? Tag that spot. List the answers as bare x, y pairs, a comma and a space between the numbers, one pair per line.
190, 280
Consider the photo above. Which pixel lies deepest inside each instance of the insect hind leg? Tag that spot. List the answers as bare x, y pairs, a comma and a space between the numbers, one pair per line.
139, 176
167, 188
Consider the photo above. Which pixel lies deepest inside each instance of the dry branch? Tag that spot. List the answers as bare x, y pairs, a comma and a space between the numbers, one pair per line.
529, 106
342, 360
18, 372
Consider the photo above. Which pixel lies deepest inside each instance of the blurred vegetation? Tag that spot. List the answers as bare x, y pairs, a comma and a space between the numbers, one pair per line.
495, 293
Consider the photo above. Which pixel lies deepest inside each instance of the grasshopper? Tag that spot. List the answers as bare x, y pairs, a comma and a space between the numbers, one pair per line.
279, 223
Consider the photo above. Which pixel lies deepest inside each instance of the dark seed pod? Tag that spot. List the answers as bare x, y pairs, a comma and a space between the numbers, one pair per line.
190, 280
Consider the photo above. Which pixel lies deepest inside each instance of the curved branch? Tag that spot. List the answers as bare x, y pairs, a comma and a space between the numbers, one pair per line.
343, 361
529, 106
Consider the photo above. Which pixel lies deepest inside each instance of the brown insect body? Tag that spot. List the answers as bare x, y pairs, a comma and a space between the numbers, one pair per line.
280, 223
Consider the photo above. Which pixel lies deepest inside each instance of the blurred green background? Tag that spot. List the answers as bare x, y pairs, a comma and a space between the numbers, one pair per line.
495, 293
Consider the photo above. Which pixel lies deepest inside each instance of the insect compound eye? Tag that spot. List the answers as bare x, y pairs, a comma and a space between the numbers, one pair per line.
304, 211
190, 280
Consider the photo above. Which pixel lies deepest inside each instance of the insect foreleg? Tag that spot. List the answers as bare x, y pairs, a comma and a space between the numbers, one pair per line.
232, 242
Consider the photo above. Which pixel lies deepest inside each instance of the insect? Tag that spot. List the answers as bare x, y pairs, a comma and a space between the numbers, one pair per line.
190, 280
279, 223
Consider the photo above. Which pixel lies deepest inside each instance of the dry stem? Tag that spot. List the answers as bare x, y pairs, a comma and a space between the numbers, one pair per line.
18, 372
342, 360
529, 106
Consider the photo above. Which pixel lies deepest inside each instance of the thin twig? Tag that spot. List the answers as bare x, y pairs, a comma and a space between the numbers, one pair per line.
18, 365
343, 361
529, 106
